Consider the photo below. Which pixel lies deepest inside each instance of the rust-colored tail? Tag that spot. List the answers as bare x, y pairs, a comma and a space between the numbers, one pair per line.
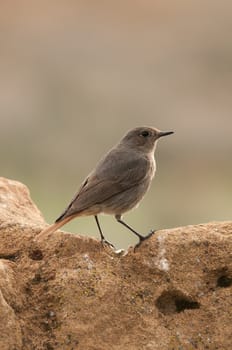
52, 228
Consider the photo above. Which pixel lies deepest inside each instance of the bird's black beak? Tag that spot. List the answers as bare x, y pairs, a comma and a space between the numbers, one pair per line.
165, 133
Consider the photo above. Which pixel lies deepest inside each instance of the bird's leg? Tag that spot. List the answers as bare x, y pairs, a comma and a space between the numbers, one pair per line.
103, 240
141, 238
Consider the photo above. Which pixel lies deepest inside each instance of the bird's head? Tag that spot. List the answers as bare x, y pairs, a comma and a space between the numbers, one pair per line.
144, 138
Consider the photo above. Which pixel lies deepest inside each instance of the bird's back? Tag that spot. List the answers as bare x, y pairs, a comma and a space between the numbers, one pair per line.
115, 174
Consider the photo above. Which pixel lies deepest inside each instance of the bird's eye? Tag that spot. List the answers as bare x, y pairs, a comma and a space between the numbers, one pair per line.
145, 133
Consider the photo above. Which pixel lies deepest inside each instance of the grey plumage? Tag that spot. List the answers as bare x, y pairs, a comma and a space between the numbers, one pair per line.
119, 181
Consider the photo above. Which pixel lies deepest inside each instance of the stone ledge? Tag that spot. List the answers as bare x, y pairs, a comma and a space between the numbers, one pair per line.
66, 292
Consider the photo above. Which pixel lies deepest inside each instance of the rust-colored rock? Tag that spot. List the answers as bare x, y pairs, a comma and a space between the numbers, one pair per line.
10, 330
67, 293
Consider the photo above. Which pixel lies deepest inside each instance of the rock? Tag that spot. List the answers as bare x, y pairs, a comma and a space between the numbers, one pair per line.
67, 292
10, 330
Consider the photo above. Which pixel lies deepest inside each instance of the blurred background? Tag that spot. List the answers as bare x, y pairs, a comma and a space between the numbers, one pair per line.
76, 75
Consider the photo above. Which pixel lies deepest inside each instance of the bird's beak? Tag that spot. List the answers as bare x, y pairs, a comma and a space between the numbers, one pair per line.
165, 133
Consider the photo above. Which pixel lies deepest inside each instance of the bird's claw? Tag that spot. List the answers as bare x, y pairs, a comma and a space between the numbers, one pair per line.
105, 242
144, 238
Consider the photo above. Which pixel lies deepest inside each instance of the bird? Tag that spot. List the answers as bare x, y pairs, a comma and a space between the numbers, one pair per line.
117, 184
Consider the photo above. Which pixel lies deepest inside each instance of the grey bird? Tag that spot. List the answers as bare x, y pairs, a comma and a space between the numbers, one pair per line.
118, 183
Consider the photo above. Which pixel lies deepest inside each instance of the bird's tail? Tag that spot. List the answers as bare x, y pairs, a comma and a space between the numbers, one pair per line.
52, 228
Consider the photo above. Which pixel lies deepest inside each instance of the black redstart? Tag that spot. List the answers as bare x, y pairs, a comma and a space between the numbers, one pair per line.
118, 183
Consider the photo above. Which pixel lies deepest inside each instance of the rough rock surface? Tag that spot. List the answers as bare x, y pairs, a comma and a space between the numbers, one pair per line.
67, 292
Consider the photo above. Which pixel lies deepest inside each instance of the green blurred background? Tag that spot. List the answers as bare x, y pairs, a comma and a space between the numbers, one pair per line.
76, 75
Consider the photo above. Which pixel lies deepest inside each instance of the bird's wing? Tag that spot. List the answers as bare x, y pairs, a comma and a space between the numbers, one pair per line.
115, 173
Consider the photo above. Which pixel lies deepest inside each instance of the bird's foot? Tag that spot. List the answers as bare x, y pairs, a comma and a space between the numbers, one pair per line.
144, 238
104, 243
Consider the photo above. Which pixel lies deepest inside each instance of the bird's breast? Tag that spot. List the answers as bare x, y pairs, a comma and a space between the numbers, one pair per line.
152, 167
